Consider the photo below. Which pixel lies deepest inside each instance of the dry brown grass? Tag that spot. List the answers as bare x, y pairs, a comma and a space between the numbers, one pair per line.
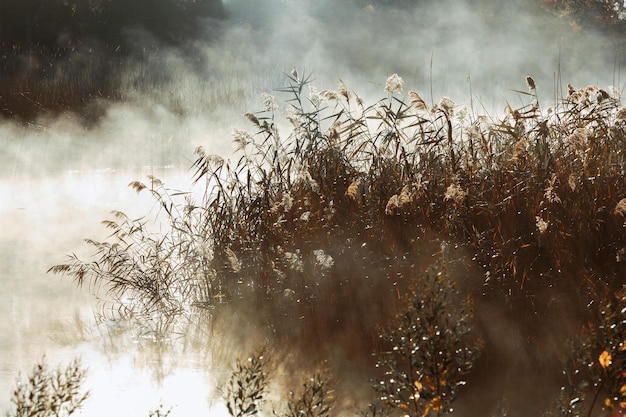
314, 236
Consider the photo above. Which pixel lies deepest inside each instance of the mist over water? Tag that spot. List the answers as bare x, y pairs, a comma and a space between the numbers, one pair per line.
60, 176
445, 42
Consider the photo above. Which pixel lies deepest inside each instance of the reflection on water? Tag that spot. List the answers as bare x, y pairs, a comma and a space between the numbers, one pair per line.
41, 220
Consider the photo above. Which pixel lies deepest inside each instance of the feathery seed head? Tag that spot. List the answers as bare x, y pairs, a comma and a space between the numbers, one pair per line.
294, 261
343, 90
588, 94
287, 201
353, 190
620, 208
392, 205
473, 132
252, 118
571, 181
215, 160
241, 138
462, 114
314, 96
323, 260
530, 82
394, 84
233, 261
420, 183
614, 92
455, 193
405, 196
549, 193
294, 116
328, 95
602, 95
199, 151
269, 104
333, 133
284, 205
570, 89
519, 151
447, 105
417, 101
305, 217
578, 140
397, 201
305, 178
575, 97
542, 225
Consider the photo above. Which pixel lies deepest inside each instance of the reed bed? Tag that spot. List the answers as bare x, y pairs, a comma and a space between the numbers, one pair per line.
319, 237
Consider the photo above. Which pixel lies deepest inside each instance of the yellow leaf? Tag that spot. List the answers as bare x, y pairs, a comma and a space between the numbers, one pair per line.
418, 386
622, 390
605, 359
429, 382
608, 402
622, 346
404, 406
436, 404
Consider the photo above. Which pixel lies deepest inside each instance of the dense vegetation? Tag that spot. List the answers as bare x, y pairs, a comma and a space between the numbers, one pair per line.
320, 241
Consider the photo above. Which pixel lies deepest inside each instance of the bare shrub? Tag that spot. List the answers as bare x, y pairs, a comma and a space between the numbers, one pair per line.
47, 393
430, 348
595, 363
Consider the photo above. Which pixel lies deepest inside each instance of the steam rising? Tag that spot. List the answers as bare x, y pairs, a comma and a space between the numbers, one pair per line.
450, 48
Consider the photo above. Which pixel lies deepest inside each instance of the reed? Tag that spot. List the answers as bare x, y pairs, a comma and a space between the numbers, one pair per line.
315, 235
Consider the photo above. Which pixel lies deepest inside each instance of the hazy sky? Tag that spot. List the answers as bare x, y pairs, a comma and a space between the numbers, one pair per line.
363, 44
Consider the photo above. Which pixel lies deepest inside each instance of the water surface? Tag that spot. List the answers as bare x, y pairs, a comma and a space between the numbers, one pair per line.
42, 220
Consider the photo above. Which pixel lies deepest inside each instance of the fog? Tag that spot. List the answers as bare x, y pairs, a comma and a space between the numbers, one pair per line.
60, 176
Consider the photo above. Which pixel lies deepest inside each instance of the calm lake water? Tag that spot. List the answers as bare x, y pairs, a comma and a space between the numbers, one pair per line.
41, 220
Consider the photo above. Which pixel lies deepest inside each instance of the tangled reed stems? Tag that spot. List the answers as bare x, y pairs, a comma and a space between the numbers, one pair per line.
315, 235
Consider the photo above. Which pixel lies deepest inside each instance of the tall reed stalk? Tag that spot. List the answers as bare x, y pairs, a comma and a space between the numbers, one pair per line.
313, 234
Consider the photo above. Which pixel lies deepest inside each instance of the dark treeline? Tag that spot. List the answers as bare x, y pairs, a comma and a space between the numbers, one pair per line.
54, 25
58, 55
